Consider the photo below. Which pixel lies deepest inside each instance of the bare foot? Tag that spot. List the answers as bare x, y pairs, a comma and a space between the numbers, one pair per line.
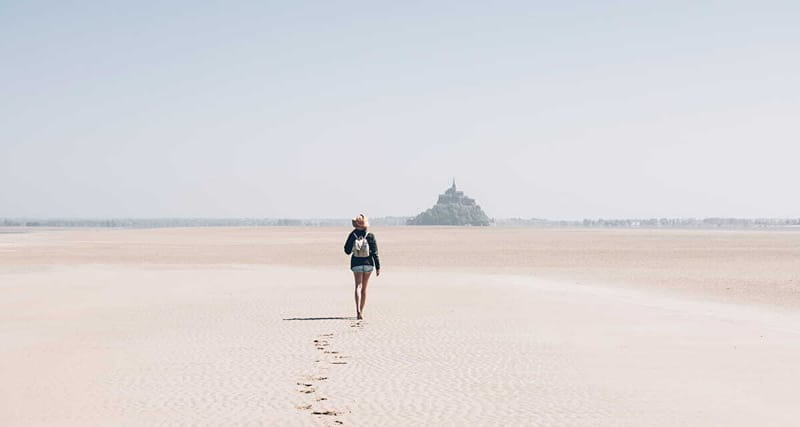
358, 316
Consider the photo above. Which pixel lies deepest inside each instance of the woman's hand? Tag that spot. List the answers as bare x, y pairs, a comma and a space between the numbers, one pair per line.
378, 272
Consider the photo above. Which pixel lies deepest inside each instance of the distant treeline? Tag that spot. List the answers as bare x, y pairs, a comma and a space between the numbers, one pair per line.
400, 221
655, 223
190, 222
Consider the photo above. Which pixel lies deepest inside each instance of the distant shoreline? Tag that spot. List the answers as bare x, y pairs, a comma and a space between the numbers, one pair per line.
11, 225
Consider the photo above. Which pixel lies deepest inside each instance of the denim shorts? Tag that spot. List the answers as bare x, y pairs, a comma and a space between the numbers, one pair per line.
362, 269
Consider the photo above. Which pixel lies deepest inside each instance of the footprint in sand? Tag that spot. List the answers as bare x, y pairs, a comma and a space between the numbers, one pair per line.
331, 413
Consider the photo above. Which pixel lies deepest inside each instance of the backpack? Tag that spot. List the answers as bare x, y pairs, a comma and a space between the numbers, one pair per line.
361, 247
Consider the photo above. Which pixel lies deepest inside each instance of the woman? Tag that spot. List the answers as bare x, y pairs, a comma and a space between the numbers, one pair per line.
364, 259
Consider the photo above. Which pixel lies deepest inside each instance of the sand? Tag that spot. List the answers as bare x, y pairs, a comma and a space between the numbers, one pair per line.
253, 326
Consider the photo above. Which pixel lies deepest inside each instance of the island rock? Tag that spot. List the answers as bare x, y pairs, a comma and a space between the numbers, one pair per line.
452, 208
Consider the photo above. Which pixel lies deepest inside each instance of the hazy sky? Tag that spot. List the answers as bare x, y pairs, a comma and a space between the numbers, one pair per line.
327, 109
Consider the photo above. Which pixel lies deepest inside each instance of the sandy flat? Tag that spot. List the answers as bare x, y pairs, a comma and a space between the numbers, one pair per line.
252, 326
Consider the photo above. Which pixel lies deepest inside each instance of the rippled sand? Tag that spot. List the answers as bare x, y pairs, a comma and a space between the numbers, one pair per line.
494, 326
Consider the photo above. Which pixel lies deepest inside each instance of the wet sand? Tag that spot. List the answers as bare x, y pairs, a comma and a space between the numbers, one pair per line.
497, 326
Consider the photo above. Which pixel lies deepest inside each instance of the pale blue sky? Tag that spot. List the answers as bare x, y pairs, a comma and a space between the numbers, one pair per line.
327, 109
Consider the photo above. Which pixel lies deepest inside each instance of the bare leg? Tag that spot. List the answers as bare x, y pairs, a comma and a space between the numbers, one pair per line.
364, 281
358, 278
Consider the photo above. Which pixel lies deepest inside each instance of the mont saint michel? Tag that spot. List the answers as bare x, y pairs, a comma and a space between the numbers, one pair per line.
452, 208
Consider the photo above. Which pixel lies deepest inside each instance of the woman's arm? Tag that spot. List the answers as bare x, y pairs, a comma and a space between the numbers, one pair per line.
373, 252
348, 244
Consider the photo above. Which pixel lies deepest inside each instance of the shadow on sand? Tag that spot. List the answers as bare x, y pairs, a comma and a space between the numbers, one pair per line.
320, 318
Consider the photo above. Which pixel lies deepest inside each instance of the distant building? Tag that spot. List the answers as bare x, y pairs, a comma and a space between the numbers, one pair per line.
452, 208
